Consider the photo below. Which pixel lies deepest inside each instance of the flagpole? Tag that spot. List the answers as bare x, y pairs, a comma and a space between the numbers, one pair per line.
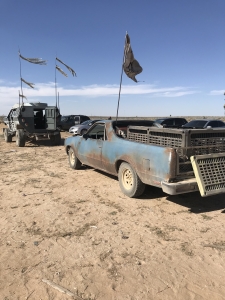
55, 85
20, 79
121, 76
19, 99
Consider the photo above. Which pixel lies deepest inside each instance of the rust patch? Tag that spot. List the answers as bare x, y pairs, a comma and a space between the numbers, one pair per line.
172, 155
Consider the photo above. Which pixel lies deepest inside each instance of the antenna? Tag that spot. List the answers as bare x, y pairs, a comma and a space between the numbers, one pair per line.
55, 86
21, 86
224, 105
19, 98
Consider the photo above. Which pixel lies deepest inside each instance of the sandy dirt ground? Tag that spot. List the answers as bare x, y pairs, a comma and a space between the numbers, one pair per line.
67, 234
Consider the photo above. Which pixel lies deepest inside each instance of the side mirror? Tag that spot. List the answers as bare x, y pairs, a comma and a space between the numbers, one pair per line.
209, 127
85, 136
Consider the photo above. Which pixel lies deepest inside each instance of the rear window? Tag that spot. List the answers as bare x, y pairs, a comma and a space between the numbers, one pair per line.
180, 121
196, 124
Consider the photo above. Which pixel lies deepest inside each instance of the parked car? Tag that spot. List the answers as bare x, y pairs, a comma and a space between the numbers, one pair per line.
204, 123
71, 120
82, 128
171, 122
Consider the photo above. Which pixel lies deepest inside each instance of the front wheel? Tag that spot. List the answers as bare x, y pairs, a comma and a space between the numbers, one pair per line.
130, 183
73, 160
83, 131
7, 136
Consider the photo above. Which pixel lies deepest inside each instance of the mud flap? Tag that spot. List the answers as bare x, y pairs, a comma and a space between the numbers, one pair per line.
209, 170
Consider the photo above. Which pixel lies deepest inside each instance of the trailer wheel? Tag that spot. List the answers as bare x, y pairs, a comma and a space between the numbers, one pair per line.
130, 183
73, 160
20, 138
7, 136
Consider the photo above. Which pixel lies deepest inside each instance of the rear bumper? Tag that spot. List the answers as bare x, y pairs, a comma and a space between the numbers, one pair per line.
181, 187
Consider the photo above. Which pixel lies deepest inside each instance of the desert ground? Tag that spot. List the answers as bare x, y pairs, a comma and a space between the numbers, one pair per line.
67, 234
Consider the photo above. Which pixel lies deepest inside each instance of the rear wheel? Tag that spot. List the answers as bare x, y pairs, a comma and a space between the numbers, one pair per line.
7, 136
73, 160
55, 139
20, 138
130, 183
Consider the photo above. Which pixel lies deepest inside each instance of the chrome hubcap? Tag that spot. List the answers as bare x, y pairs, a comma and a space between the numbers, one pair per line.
127, 179
72, 158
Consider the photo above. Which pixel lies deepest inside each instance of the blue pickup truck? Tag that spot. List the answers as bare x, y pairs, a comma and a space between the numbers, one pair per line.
138, 152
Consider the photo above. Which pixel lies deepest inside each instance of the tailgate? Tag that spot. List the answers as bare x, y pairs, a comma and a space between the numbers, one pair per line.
209, 171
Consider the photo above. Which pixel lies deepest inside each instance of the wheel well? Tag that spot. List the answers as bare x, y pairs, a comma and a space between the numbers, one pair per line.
67, 149
118, 163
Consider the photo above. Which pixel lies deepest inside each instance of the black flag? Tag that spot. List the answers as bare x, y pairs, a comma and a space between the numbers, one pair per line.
28, 83
37, 61
61, 71
130, 66
69, 68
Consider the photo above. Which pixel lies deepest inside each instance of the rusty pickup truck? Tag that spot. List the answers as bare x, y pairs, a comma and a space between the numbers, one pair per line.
176, 160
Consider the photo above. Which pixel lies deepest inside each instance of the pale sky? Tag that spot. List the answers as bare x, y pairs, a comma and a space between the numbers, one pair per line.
179, 44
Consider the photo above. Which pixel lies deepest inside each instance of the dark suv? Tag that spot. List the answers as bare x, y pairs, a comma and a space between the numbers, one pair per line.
205, 123
71, 120
171, 122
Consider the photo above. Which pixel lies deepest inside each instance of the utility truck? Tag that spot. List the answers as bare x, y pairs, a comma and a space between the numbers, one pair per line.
32, 121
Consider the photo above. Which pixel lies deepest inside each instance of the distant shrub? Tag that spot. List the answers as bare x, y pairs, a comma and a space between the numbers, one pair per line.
1, 118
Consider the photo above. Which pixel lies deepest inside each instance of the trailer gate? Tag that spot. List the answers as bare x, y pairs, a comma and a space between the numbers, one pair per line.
209, 171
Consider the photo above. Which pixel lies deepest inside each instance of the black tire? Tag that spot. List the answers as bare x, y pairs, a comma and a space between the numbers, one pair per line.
20, 138
83, 131
55, 139
130, 183
58, 139
7, 136
73, 160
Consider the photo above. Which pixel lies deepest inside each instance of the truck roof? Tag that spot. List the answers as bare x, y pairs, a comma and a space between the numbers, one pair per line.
34, 104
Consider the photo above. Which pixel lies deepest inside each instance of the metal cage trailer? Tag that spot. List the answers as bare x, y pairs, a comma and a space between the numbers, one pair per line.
198, 157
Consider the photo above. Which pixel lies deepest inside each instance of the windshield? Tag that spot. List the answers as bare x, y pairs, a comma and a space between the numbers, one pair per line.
64, 119
86, 122
159, 121
196, 124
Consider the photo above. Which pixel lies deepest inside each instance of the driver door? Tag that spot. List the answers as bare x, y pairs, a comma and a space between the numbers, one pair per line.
90, 148
50, 117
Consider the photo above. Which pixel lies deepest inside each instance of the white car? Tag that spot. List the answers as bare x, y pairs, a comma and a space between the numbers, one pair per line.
82, 128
